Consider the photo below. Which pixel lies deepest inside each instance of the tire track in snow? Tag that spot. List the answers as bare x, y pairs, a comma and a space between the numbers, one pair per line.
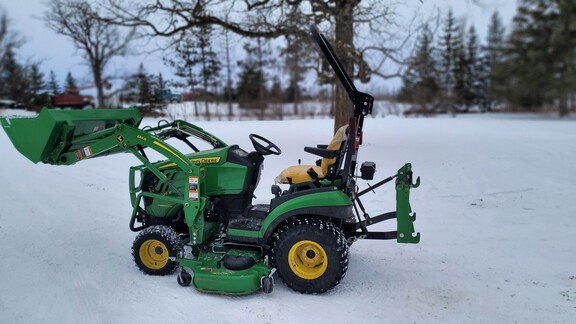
88, 306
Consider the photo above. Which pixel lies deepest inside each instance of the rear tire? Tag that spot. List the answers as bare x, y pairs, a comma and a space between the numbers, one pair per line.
311, 255
153, 246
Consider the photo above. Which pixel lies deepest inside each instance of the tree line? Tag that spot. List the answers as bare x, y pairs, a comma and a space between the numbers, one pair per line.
198, 68
450, 70
193, 60
100, 29
531, 68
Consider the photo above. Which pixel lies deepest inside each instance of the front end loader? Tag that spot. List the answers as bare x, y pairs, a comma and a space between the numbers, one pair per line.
193, 210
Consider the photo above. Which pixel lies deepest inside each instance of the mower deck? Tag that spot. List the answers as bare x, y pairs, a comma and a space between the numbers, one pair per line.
219, 269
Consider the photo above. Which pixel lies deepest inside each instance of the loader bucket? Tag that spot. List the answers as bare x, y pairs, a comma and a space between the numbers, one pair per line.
44, 137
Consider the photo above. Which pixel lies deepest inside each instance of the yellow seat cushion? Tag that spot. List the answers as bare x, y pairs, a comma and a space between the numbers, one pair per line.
298, 173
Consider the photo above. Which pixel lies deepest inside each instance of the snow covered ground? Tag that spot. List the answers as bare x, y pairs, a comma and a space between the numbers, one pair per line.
495, 210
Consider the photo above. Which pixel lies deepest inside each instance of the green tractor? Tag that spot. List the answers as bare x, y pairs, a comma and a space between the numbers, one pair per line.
193, 211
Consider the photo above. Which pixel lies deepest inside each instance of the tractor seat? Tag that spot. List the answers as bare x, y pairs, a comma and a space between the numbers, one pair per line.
325, 168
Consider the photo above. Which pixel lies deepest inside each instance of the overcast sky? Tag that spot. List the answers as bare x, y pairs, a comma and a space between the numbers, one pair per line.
58, 54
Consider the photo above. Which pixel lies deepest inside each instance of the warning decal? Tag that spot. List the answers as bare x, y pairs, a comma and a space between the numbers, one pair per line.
193, 188
83, 153
87, 151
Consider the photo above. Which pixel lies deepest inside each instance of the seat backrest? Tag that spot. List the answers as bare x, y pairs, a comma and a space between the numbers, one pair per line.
336, 144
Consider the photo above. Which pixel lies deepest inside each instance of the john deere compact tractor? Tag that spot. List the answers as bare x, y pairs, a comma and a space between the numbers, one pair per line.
193, 211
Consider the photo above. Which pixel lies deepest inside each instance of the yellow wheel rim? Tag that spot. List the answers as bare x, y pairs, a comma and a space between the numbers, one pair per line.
153, 254
308, 260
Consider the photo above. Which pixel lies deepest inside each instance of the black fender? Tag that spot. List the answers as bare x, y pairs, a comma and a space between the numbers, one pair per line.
327, 212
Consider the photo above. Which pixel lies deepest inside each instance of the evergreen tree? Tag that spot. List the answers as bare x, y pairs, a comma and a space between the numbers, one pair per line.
249, 83
475, 75
52, 85
276, 95
143, 84
70, 84
183, 62
563, 39
449, 76
276, 92
462, 79
138, 88
461, 87
449, 46
251, 87
421, 80
539, 67
522, 75
13, 78
208, 60
492, 55
196, 61
12, 73
159, 83
494, 40
156, 83
36, 86
36, 78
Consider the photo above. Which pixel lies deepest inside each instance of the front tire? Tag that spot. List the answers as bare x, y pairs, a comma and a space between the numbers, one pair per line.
153, 246
184, 279
311, 255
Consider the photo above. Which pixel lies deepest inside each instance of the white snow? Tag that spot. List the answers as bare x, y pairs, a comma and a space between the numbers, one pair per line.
495, 211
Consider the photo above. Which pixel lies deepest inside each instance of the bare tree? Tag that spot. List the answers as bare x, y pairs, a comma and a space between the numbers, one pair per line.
98, 40
362, 57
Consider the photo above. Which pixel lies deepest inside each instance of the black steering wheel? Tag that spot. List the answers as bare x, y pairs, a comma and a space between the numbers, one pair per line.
266, 149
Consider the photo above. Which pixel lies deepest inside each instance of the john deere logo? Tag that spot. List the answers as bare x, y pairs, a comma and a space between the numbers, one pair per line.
120, 138
206, 160
197, 161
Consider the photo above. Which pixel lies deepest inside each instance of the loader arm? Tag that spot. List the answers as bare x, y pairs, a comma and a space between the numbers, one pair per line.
65, 137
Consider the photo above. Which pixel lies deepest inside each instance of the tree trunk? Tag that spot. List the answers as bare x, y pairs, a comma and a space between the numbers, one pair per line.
563, 110
98, 83
101, 96
344, 32
207, 109
205, 83
228, 77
